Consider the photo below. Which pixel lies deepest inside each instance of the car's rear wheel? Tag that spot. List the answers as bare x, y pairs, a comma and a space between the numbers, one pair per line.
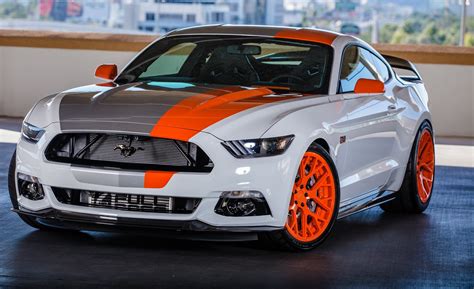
314, 203
416, 191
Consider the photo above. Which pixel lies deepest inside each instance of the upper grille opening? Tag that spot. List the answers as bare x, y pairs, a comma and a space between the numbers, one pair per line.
131, 152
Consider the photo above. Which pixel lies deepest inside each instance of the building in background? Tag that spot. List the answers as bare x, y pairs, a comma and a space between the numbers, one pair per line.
96, 11
387, 21
163, 16
60, 10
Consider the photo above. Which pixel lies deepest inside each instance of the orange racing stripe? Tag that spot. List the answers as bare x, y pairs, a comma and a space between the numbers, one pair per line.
194, 114
318, 36
157, 179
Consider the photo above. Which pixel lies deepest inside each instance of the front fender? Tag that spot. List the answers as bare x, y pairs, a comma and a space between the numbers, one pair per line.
45, 111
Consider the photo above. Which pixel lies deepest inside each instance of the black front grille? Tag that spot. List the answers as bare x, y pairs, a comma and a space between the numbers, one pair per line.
128, 152
126, 202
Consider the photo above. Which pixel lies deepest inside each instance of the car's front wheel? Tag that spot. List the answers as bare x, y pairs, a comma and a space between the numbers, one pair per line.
314, 203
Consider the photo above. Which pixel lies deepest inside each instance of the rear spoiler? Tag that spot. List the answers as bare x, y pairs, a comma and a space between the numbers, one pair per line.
402, 64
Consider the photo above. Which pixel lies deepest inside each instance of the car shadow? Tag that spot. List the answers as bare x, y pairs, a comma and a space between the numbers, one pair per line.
356, 242
374, 247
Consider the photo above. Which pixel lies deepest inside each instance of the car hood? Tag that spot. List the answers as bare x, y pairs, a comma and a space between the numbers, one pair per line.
169, 109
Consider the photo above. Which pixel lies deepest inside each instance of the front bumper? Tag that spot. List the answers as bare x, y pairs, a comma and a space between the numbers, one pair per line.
79, 221
272, 176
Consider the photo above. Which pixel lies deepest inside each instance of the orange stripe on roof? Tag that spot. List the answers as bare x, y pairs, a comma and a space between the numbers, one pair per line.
157, 179
318, 36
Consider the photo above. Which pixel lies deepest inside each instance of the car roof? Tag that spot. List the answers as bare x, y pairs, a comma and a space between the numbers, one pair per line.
292, 33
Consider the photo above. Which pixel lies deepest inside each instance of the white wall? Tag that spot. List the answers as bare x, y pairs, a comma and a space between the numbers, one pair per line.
28, 74
451, 91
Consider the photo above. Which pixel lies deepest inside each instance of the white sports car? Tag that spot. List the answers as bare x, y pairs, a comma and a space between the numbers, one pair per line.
272, 131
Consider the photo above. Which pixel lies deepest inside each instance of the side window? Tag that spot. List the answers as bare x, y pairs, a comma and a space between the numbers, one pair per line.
170, 62
359, 63
381, 68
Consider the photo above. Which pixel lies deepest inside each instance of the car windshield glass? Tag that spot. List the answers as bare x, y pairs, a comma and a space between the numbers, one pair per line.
246, 61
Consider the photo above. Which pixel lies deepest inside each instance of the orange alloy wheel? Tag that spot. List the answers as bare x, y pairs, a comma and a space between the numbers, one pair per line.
425, 166
312, 200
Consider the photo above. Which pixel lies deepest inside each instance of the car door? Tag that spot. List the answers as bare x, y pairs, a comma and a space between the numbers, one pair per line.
368, 127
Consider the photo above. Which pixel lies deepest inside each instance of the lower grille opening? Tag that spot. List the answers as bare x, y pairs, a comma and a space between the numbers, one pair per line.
130, 152
126, 202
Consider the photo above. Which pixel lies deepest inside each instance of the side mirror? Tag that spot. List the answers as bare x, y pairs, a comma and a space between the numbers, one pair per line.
106, 71
365, 85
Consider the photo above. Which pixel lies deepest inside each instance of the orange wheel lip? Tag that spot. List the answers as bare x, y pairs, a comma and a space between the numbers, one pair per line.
425, 165
314, 202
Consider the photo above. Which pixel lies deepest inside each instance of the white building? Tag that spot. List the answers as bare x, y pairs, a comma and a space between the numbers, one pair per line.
163, 16
95, 11
274, 12
268, 12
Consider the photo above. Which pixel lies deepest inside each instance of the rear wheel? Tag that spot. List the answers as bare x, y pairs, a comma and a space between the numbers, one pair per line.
416, 191
314, 203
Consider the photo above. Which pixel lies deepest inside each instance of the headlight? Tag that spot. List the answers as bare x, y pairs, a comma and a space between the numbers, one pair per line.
31, 133
252, 148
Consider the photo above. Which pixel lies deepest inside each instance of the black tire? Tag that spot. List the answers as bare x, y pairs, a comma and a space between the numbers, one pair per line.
32, 221
282, 239
408, 200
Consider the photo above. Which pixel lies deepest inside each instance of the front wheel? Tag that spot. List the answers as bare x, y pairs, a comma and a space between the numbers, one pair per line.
314, 203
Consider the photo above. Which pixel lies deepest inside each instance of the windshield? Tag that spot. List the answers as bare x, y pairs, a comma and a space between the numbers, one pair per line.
244, 61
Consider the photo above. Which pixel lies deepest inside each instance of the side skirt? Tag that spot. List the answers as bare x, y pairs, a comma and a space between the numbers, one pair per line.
364, 202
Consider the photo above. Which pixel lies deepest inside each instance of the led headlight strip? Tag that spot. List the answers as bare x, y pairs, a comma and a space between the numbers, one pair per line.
252, 148
31, 133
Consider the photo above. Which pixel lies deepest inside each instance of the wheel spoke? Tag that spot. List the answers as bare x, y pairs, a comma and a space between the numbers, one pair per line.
424, 145
427, 179
294, 221
304, 223
320, 180
321, 204
426, 167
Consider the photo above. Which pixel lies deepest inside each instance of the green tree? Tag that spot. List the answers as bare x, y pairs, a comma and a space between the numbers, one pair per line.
469, 40
386, 33
432, 35
401, 37
441, 28
412, 26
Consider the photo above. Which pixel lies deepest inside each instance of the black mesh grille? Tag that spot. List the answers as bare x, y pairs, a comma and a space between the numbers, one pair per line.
126, 202
128, 152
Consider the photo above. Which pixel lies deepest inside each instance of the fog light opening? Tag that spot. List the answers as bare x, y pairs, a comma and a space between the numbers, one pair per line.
242, 203
30, 188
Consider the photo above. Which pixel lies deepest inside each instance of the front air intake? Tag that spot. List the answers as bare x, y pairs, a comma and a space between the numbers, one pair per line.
126, 201
130, 152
